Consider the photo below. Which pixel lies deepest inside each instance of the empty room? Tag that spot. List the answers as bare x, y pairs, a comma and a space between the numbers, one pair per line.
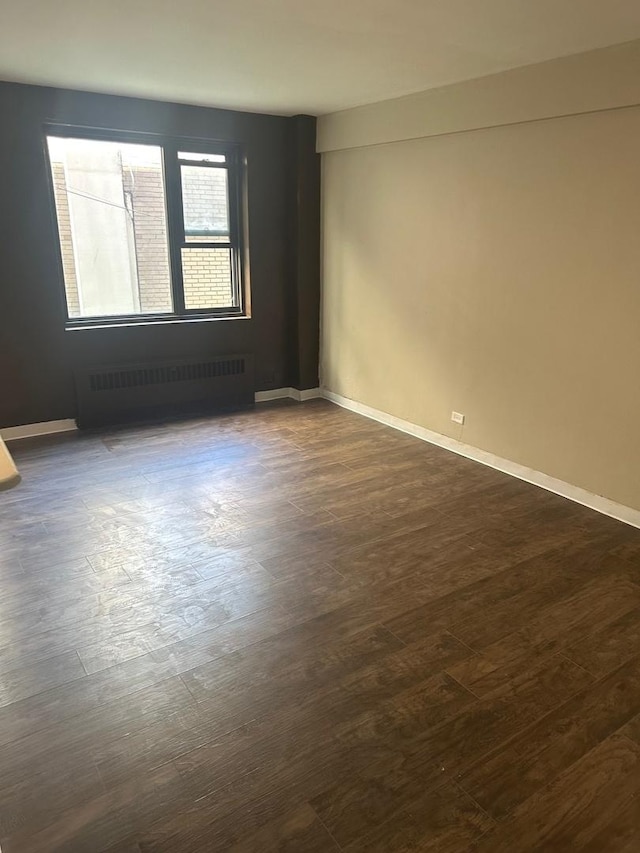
319, 446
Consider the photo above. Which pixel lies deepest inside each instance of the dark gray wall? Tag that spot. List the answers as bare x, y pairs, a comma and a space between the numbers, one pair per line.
37, 354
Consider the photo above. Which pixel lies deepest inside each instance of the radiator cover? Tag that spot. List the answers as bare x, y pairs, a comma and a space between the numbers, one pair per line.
111, 394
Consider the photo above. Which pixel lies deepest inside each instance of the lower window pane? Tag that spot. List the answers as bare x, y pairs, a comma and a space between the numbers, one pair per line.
112, 227
206, 275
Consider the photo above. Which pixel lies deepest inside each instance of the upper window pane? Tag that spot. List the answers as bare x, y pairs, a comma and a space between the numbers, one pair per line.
202, 158
205, 202
112, 226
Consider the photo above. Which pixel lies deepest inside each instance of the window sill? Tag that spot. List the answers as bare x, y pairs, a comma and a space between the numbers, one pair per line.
82, 326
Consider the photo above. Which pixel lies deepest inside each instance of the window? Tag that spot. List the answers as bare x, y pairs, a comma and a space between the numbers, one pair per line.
148, 229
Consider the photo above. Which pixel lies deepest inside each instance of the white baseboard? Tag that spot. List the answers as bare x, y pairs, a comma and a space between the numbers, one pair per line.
551, 484
305, 394
290, 393
274, 394
44, 428
67, 425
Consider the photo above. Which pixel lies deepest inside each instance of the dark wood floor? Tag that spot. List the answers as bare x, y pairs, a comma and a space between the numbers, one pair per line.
295, 629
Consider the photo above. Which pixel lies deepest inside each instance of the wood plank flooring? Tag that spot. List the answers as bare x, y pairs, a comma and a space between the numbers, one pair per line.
295, 629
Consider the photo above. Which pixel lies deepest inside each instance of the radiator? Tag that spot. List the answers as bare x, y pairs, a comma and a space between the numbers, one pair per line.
129, 392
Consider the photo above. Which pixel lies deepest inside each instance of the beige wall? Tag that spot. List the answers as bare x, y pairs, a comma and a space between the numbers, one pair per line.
495, 272
602, 79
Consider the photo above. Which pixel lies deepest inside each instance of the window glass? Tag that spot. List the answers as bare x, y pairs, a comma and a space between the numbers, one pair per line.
206, 274
205, 202
203, 158
127, 248
112, 226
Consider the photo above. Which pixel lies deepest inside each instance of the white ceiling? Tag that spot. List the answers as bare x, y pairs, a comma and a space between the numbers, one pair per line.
291, 56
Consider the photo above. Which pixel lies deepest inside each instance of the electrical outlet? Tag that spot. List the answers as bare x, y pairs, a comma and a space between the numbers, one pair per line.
457, 418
